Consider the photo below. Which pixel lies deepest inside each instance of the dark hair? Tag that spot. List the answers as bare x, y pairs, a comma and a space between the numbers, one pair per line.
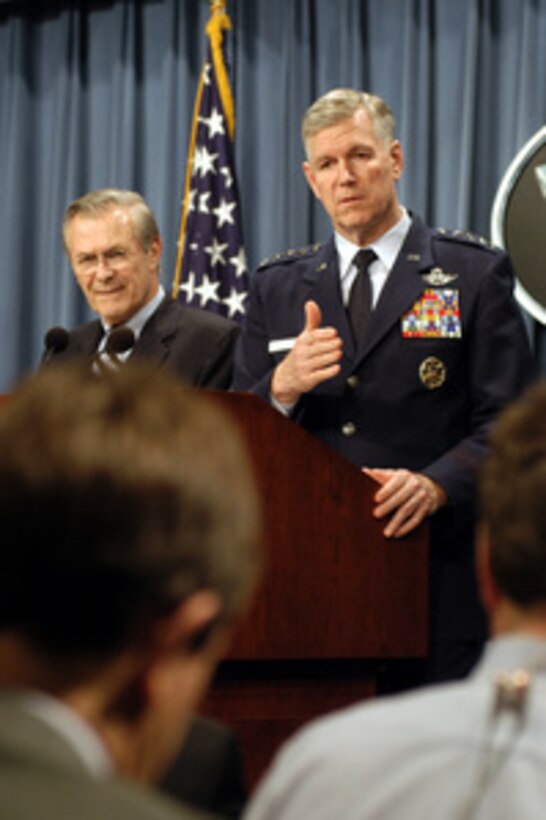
119, 497
513, 497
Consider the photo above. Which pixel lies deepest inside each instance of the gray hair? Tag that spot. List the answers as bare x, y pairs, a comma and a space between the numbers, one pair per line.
340, 104
96, 203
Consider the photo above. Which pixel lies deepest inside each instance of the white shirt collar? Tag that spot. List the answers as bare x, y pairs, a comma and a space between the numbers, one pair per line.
79, 734
387, 247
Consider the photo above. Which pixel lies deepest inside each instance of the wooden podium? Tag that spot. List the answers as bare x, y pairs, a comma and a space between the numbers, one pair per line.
337, 598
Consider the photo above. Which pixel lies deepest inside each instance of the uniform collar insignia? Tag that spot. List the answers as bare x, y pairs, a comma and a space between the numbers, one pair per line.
437, 276
291, 255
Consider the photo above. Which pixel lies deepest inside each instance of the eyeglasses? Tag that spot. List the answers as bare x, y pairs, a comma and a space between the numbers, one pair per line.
113, 259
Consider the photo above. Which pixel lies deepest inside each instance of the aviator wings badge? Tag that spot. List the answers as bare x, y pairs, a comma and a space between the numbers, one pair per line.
438, 277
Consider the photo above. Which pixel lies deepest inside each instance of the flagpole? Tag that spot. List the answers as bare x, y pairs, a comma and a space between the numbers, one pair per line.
211, 269
218, 23
187, 185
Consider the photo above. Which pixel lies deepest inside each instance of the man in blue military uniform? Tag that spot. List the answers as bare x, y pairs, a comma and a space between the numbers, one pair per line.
470, 749
401, 360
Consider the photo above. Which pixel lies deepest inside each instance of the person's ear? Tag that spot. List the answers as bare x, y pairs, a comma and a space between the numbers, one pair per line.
397, 158
190, 626
310, 177
187, 630
155, 251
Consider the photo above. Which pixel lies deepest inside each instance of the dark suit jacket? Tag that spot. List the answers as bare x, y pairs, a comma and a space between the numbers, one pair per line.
386, 408
196, 344
41, 776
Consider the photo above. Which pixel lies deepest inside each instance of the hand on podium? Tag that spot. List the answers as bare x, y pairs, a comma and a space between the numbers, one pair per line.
407, 497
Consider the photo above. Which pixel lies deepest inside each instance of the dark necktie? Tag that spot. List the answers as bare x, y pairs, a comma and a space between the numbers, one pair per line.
360, 298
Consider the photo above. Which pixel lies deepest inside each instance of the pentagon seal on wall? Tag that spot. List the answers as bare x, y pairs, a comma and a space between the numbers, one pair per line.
518, 223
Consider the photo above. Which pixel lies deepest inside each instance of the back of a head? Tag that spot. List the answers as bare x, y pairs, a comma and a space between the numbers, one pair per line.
119, 497
513, 497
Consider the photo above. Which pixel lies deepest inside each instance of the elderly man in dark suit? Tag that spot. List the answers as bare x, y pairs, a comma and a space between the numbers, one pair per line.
114, 246
397, 345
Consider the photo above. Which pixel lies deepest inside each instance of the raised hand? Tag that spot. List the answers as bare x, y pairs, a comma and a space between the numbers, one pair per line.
313, 359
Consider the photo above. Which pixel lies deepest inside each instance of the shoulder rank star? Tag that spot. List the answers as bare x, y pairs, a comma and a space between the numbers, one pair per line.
290, 255
438, 277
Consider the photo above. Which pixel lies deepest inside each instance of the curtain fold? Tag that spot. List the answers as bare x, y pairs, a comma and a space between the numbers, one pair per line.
101, 92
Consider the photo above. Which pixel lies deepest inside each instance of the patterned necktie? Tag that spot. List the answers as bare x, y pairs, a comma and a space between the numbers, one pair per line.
114, 348
360, 298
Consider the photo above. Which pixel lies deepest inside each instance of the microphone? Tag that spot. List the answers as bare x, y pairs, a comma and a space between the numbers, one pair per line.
56, 340
119, 341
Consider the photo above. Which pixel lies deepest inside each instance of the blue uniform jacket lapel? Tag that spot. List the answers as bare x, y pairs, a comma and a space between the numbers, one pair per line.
403, 287
324, 288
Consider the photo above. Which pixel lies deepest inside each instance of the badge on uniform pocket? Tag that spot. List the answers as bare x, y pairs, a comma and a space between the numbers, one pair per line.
432, 372
435, 315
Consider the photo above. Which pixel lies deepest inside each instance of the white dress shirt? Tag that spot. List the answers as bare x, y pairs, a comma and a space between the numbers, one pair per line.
82, 738
386, 248
135, 323
447, 752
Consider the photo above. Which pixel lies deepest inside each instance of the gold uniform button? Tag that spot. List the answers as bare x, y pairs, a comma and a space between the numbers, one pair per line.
353, 381
349, 428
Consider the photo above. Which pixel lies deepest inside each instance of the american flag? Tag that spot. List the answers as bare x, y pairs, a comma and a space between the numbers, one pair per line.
211, 270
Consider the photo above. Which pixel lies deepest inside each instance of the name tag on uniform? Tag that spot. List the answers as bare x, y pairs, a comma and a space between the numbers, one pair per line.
435, 315
281, 345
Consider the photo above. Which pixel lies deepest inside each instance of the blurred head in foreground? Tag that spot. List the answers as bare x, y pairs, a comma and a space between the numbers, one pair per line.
129, 548
512, 540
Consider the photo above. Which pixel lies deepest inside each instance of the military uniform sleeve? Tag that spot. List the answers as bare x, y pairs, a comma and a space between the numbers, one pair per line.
499, 367
253, 368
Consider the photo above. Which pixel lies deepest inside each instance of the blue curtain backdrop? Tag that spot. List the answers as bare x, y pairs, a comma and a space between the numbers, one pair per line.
101, 92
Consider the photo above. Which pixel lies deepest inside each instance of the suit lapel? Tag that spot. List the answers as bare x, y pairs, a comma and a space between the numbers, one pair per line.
403, 287
324, 288
31, 740
85, 340
152, 342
